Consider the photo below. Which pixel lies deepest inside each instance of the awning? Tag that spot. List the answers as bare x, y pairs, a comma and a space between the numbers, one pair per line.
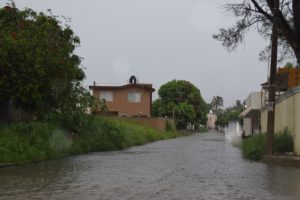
249, 113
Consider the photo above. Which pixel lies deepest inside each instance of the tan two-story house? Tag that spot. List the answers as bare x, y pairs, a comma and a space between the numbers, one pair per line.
132, 99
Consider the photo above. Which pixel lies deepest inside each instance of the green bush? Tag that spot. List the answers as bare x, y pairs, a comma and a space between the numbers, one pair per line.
24, 142
255, 147
61, 135
284, 142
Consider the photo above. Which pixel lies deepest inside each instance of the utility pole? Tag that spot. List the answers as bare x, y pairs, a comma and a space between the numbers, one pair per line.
272, 86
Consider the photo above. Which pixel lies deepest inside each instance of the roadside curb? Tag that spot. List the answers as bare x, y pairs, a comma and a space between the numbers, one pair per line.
289, 161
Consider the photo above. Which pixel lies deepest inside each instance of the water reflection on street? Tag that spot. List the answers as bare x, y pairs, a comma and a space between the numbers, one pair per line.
201, 166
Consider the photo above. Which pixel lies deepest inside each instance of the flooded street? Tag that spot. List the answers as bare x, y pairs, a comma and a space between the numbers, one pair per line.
201, 166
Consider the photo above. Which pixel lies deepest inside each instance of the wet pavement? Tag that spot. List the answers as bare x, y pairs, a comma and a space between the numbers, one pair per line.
201, 166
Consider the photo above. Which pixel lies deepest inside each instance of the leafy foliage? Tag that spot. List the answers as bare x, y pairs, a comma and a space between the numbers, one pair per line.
39, 72
24, 142
258, 14
216, 104
98, 105
27, 142
288, 65
255, 147
284, 142
230, 114
185, 113
182, 99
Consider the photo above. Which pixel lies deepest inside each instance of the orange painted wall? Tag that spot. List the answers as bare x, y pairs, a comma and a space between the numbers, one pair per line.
294, 76
120, 101
159, 124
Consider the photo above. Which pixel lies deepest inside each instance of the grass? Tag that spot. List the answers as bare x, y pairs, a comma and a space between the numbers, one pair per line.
255, 147
284, 142
26, 142
59, 137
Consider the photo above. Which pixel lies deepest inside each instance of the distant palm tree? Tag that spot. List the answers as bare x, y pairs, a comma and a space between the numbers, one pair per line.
217, 104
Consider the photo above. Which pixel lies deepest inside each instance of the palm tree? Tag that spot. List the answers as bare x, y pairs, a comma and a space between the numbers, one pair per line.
217, 104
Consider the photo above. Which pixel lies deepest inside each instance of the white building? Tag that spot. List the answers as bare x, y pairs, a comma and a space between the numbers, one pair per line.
251, 114
211, 120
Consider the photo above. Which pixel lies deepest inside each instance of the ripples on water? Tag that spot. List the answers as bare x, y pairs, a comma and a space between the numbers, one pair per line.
202, 166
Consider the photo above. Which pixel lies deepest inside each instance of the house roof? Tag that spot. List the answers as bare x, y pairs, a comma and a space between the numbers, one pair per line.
132, 85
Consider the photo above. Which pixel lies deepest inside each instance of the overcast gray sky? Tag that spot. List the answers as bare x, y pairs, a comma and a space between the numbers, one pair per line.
160, 40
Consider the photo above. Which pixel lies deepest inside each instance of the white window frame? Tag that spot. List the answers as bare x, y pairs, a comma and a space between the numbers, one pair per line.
134, 97
108, 96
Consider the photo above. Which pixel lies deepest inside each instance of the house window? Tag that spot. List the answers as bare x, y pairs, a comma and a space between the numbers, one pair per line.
106, 95
134, 97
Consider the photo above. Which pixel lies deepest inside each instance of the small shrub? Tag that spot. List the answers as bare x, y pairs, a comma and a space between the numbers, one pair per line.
255, 147
283, 142
24, 142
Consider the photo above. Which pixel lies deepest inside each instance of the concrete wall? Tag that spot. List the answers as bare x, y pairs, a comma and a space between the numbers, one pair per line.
247, 126
264, 119
255, 100
287, 114
159, 124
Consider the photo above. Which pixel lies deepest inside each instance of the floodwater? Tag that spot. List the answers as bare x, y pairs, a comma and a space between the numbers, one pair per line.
201, 166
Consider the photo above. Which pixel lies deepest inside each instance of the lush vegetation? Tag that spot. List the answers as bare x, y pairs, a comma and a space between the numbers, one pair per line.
230, 114
34, 141
224, 116
39, 72
216, 104
182, 100
255, 147
42, 101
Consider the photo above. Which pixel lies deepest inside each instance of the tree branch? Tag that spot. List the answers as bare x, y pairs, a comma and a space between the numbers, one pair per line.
260, 10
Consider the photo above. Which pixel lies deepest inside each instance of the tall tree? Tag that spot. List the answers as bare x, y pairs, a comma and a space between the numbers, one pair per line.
183, 99
39, 72
217, 104
239, 105
258, 14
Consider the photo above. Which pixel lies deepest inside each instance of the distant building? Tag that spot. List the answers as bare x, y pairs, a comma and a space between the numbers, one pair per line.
251, 114
132, 99
211, 120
